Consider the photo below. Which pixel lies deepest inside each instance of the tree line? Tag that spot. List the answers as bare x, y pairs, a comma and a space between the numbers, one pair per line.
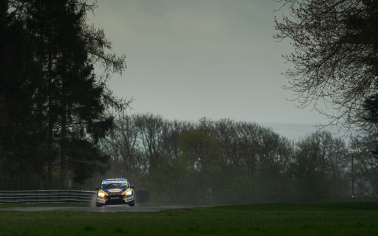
227, 161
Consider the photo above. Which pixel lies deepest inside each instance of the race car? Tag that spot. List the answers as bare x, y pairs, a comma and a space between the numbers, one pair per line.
115, 191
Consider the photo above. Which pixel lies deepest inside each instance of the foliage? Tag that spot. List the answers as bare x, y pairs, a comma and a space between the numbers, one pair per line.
52, 97
21, 152
365, 164
318, 168
371, 116
86, 159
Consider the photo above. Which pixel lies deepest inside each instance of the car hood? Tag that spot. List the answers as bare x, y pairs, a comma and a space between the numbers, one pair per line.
114, 190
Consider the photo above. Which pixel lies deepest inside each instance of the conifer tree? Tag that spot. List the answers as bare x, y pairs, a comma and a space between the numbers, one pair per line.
70, 102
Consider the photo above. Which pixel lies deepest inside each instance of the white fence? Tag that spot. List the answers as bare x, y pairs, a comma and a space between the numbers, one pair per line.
43, 196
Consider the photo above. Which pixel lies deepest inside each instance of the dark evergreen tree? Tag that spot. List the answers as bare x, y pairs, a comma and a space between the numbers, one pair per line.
76, 100
22, 154
65, 102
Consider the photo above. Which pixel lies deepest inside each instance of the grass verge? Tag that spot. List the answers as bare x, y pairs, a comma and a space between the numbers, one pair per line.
52, 204
268, 219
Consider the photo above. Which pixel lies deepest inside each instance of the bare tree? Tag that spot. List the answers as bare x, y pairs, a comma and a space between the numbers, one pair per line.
151, 129
335, 58
122, 145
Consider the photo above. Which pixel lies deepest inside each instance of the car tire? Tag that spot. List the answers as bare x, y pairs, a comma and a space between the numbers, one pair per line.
132, 204
98, 205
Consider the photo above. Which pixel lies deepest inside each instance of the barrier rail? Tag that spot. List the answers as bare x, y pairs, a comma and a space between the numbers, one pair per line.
44, 196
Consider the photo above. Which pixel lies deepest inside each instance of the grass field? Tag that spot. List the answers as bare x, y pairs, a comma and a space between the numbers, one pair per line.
271, 219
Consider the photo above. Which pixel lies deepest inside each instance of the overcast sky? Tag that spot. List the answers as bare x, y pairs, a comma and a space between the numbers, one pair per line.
189, 59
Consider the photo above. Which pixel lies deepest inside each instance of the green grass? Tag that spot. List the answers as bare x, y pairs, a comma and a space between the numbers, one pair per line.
271, 219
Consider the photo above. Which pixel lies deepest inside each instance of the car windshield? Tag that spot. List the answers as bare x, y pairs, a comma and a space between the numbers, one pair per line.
114, 185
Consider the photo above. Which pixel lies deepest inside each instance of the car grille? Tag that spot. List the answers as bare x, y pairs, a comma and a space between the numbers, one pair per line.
114, 194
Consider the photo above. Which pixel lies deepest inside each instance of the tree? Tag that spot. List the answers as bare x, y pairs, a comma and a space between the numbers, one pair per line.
22, 155
69, 103
73, 98
203, 152
203, 158
85, 159
124, 149
365, 164
151, 129
319, 168
335, 58
371, 116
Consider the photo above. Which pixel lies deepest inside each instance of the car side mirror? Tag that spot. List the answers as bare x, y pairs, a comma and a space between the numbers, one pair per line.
132, 186
97, 188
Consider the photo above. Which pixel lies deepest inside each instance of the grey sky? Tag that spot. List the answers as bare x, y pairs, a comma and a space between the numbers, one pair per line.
189, 59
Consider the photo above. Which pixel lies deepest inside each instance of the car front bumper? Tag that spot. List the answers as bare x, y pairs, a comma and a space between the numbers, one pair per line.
114, 200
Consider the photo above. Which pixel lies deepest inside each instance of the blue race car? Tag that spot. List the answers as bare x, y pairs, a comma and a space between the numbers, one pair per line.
115, 191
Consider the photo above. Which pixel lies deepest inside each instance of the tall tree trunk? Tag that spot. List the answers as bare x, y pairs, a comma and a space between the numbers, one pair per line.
51, 126
41, 138
63, 161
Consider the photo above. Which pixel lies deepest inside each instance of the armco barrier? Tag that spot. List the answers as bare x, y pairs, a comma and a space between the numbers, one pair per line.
43, 196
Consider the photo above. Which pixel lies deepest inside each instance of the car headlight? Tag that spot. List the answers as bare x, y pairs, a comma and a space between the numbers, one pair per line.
101, 194
128, 193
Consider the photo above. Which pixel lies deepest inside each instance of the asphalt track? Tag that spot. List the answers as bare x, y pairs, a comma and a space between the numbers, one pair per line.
110, 208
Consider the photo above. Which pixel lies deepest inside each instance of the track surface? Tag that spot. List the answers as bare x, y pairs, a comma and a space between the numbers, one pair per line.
112, 208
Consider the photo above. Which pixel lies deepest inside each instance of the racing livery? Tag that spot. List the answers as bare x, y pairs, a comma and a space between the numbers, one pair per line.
115, 191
